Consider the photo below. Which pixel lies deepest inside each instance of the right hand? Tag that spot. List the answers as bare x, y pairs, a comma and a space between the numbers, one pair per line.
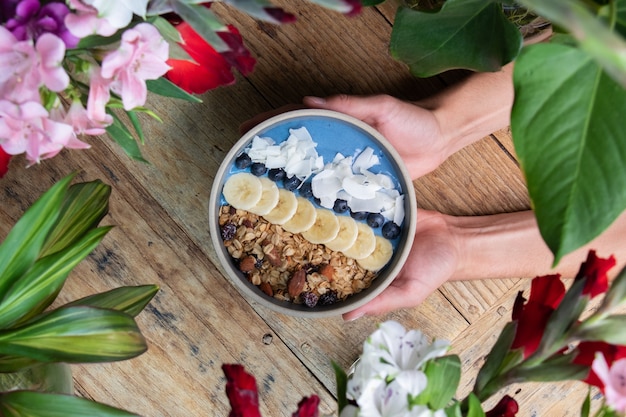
413, 131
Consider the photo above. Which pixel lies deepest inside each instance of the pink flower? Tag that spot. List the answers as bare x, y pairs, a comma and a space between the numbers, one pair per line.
88, 21
614, 380
140, 57
99, 95
78, 118
27, 128
24, 67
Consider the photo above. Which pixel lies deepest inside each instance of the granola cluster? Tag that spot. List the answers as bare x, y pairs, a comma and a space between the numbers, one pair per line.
285, 265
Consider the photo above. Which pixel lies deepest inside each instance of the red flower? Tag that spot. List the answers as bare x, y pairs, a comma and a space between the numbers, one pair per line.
506, 407
242, 392
587, 353
546, 293
4, 162
355, 7
595, 270
307, 407
211, 69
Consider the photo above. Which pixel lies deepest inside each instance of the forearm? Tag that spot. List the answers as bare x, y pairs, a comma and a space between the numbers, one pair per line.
510, 246
474, 108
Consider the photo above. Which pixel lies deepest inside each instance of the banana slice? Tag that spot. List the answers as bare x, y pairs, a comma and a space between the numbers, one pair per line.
269, 197
379, 258
348, 232
304, 217
284, 209
364, 244
242, 190
325, 228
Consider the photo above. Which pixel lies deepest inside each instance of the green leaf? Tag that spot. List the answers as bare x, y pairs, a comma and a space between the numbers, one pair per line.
166, 29
40, 285
610, 330
132, 116
13, 363
454, 410
40, 404
471, 34
496, 357
475, 408
164, 87
594, 35
120, 134
342, 386
23, 244
567, 126
443, 374
558, 368
203, 21
76, 335
84, 206
130, 300
586, 407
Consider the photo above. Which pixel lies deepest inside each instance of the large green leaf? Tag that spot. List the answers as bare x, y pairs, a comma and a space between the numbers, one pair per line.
471, 34
84, 206
122, 136
76, 335
567, 125
203, 21
130, 300
443, 374
40, 285
40, 404
23, 244
164, 87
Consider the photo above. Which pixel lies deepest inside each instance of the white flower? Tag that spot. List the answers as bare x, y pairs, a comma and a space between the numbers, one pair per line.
119, 13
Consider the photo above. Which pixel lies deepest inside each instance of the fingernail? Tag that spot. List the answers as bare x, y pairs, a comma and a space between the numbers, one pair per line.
317, 101
356, 316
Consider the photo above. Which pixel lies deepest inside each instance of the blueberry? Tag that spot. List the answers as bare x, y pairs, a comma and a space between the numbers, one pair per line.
310, 299
228, 231
340, 206
291, 183
305, 190
276, 174
375, 220
329, 297
390, 230
243, 161
258, 168
358, 215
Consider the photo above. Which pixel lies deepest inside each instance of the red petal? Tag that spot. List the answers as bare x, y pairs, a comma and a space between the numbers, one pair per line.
506, 407
238, 56
587, 353
547, 290
356, 7
280, 15
197, 79
4, 162
595, 270
308, 407
241, 391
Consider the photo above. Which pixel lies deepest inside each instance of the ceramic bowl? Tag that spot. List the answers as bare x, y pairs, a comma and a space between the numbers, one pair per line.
333, 133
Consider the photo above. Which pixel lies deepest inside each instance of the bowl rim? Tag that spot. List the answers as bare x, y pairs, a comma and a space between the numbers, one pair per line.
254, 295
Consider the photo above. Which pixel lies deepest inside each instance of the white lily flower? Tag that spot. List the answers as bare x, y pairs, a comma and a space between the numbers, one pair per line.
119, 13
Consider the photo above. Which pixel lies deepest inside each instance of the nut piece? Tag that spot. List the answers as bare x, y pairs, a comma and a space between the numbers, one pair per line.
328, 271
296, 283
274, 257
247, 264
266, 288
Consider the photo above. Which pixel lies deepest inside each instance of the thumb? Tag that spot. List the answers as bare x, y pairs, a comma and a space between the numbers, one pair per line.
360, 107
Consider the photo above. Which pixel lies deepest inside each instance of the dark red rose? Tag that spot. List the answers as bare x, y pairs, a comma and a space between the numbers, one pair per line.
546, 293
4, 162
595, 270
242, 392
506, 407
308, 407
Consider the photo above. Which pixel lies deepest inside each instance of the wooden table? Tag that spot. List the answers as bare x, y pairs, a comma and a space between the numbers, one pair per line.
198, 320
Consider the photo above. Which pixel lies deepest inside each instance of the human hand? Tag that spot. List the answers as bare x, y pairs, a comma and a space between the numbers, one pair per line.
434, 258
414, 131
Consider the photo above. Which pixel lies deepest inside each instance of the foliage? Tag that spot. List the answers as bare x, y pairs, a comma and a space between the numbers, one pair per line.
57, 232
566, 119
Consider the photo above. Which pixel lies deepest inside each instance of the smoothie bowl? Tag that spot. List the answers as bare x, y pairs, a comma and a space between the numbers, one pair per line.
312, 213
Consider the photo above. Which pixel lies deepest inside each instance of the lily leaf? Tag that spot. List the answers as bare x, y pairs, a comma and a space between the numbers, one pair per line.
84, 206
40, 285
23, 244
342, 386
443, 374
164, 87
122, 136
76, 335
496, 357
470, 34
203, 21
610, 330
567, 126
40, 404
130, 300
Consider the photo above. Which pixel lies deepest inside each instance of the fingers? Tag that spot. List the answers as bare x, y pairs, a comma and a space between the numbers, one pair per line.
363, 108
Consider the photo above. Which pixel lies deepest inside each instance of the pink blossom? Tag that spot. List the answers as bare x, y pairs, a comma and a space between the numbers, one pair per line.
614, 380
86, 21
99, 95
27, 128
79, 119
24, 67
140, 57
